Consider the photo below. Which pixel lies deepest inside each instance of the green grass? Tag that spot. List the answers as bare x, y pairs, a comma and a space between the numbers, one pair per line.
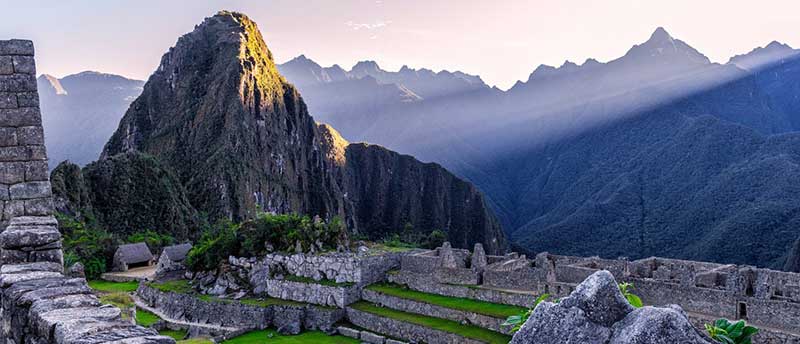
110, 287
195, 341
468, 331
462, 304
270, 336
177, 286
177, 335
121, 300
145, 318
325, 282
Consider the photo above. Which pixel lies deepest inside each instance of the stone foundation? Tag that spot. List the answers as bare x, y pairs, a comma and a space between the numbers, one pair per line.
399, 329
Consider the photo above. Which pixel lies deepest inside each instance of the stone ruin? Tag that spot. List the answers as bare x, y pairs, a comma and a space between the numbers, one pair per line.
706, 291
40, 305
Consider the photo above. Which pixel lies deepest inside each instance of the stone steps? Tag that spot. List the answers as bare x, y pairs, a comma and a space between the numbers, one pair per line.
437, 311
415, 327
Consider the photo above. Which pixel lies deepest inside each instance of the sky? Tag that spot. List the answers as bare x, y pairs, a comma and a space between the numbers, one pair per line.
501, 40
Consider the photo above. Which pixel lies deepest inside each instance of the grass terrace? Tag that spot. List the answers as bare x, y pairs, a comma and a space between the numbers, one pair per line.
273, 337
112, 287
468, 331
495, 310
195, 341
145, 318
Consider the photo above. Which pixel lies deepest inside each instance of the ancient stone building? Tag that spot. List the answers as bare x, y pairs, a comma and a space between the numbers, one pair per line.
39, 304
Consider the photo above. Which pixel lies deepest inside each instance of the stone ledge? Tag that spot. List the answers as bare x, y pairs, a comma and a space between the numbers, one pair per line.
16, 47
404, 330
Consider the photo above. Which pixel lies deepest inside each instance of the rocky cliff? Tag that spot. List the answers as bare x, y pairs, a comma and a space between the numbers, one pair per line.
238, 137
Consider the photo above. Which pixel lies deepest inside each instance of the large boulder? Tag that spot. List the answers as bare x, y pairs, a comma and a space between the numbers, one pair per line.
597, 313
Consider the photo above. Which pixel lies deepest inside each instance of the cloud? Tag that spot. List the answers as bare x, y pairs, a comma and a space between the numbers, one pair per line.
368, 26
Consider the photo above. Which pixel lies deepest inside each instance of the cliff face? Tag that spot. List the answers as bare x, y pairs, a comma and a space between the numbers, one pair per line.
238, 137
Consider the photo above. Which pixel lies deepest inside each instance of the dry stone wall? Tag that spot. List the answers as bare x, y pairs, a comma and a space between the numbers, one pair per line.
38, 304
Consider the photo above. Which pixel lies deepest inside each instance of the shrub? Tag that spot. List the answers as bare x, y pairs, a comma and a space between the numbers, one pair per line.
215, 245
87, 244
724, 331
154, 240
435, 239
632, 298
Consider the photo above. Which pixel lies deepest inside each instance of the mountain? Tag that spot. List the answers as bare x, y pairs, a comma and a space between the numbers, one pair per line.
75, 103
219, 117
763, 57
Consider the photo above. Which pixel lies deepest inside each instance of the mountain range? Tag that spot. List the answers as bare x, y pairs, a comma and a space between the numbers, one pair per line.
658, 152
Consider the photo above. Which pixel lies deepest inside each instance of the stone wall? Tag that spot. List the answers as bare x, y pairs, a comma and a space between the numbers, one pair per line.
39, 305
423, 283
318, 294
338, 267
287, 319
399, 329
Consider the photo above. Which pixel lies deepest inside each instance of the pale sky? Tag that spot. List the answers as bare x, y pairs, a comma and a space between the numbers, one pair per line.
501, 40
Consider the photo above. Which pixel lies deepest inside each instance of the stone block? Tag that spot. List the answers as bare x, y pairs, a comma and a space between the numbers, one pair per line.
369, 337
8, 136
349, 332
8, 101
29, 116
24, 65
30, 135
4, 192
13, 209
16, 47
29, 267
34, 221
29, 190
30, 237
55, 256
28, 99
13, 256
17, 83
6, 65
392, 341
36, 171
39, 206
12, 172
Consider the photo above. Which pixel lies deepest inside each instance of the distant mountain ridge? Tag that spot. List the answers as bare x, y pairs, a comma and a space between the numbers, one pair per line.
77, 102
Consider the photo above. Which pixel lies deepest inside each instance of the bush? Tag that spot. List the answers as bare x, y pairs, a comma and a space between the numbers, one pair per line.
724, 331
154, 240
251, 239
91, 246
435, 239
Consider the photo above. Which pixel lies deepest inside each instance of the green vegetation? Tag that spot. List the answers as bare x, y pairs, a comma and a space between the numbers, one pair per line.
113, 287
87, 244
726, 332
177, 335
409, 238
323, 281
273, 337
176, 286
468, 331
518, 320
121, 300
145, 318
196, 341
154, 240
250, 239
463, 304
632, 298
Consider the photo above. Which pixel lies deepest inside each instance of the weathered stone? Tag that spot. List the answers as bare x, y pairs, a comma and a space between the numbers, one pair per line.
31, 236
34, 221
348, 332
17, 83
30, 190
24, 65
6, 65
29, 267
3, 193
16, 47
479, 261
13, 209
30, 135
600, 298
8, 101
649, 325
12, 172
76, 270
40, 206
447, 257
36, 171
372, 338
55, 255
9, 279
28, 99
22, 153
555, 324
8, 136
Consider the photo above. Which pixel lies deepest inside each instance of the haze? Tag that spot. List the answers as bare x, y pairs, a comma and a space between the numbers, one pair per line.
501, 41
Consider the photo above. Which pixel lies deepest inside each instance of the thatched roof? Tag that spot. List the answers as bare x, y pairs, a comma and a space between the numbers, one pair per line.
177, 253
133, 253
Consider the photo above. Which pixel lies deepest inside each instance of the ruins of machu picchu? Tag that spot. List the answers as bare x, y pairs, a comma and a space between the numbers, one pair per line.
221, 211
